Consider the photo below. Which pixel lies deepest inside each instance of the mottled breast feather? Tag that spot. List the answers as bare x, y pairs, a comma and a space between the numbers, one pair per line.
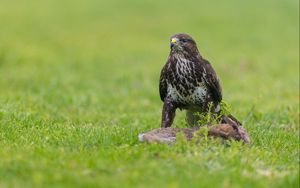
189, 81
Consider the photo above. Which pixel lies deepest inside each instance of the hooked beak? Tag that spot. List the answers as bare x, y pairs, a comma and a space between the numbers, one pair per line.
173, 42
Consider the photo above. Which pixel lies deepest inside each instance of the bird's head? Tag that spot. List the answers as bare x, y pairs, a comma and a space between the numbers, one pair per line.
183, 43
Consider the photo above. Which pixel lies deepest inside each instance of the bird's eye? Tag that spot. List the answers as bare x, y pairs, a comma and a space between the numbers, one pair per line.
183, 40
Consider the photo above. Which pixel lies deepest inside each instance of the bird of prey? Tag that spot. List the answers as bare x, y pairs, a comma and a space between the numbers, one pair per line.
189, 82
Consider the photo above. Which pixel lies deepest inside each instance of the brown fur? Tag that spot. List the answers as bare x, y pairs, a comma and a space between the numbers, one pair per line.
168, 135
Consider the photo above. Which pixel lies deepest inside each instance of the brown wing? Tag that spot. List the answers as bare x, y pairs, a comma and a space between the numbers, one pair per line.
163, 84
212, 81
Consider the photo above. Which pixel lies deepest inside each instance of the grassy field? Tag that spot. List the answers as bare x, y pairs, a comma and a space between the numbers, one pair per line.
79, 81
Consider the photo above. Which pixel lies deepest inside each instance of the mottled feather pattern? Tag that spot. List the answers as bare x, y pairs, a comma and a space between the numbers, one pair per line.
183, 85
187, 81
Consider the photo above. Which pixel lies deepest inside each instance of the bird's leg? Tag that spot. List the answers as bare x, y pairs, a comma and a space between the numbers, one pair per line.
192, 118
168, 113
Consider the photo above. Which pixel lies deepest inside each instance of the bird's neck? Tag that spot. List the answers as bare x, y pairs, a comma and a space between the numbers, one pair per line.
191, 56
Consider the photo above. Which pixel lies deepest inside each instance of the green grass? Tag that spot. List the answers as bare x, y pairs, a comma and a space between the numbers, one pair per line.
79, 81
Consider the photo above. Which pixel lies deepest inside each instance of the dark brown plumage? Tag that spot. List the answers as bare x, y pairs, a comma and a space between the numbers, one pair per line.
188, 81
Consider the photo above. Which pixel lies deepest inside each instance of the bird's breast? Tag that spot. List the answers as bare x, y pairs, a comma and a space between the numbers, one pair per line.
196, 95
187, 95
185, 84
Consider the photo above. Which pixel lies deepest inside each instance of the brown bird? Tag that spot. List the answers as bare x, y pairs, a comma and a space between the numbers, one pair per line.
189, 82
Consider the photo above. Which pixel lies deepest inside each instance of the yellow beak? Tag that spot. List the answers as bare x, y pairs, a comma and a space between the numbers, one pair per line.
173, 40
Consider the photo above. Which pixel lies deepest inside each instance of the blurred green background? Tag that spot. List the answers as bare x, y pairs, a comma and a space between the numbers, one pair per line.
82, 76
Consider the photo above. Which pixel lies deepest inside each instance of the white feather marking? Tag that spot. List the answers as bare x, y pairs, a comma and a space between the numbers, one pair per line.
218, 108
200, 92
173, 92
